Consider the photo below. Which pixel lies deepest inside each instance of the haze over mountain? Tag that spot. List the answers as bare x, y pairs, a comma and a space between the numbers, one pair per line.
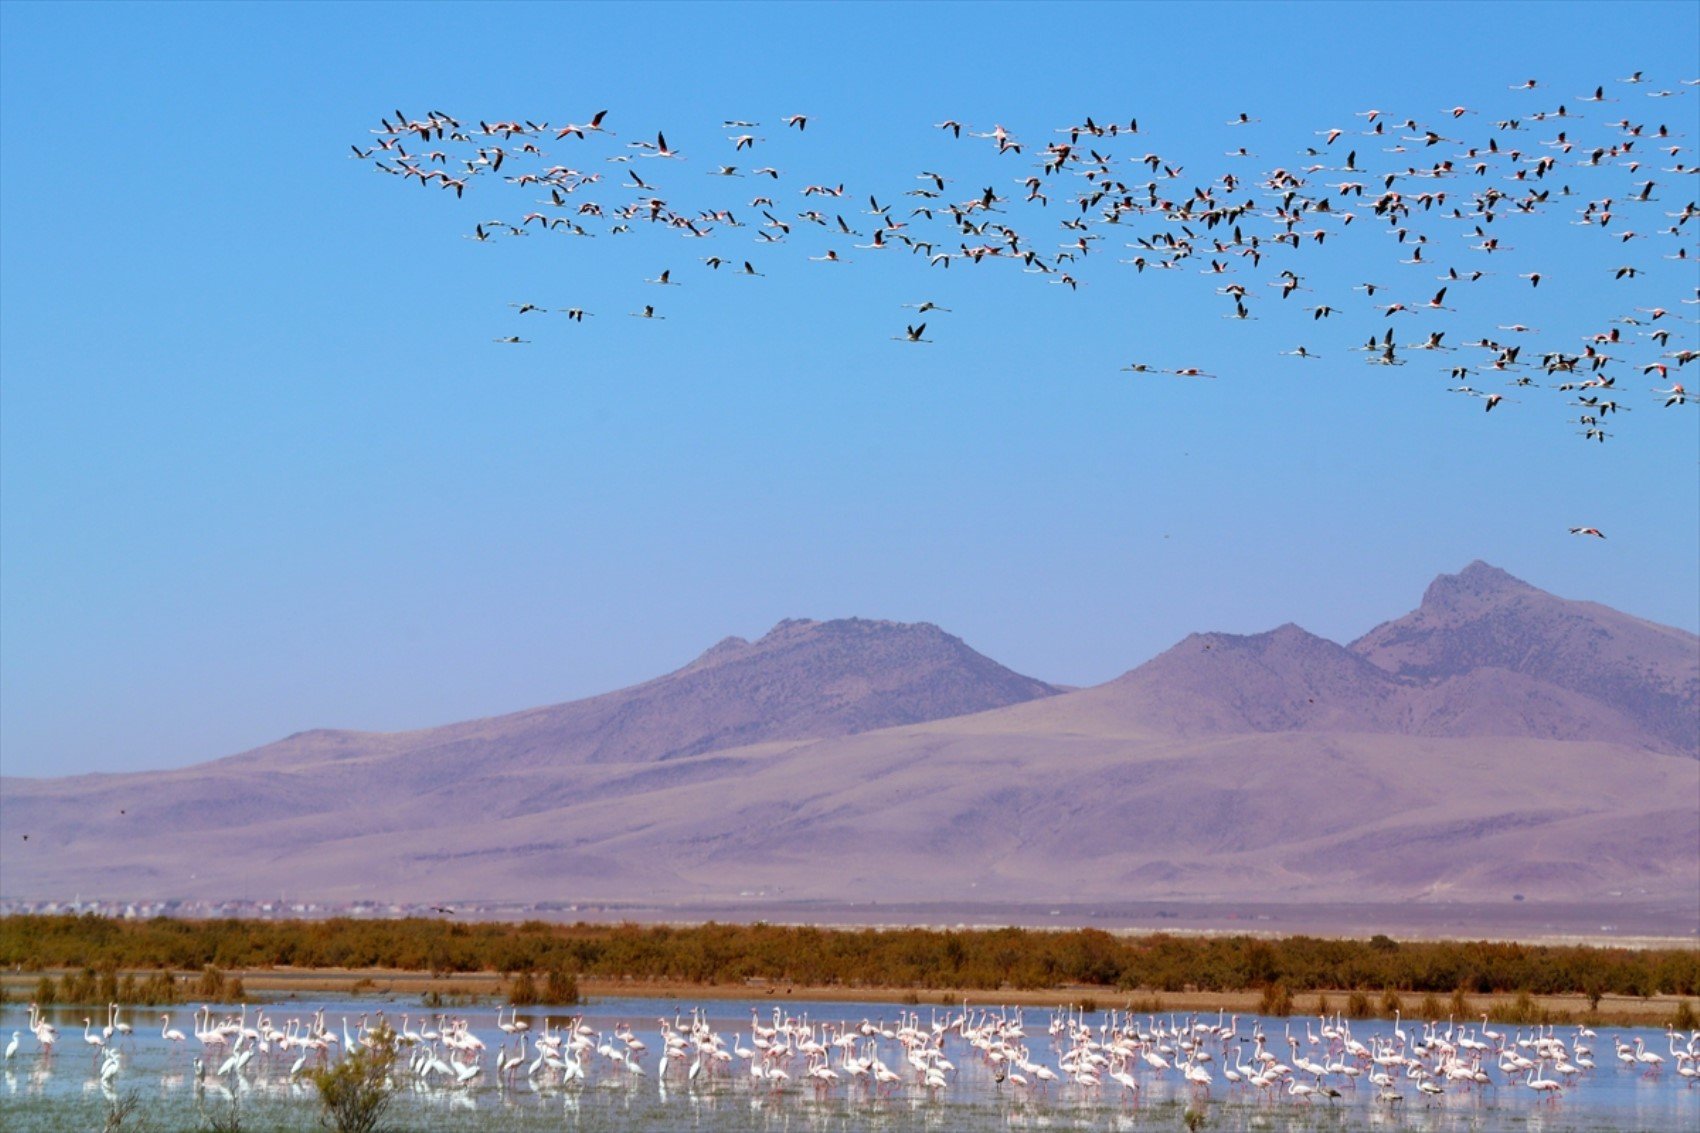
1496, 740
803, 679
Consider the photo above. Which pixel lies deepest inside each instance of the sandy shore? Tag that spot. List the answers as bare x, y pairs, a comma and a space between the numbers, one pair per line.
385, 984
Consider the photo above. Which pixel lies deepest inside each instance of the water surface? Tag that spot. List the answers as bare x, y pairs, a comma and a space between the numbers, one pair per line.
64, 1089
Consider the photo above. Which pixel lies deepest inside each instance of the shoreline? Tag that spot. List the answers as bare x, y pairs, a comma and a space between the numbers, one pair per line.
388, 985
1640, 923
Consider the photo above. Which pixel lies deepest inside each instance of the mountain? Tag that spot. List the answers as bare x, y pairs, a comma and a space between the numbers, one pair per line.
1456, 754
803, 679
1647, 676
1485, 655
1285, 680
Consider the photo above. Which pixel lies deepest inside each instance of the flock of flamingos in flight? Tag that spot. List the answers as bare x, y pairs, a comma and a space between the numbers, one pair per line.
912, 1056
1442, 202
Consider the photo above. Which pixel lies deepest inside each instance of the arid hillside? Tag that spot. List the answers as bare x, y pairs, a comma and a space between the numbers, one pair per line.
1496, 742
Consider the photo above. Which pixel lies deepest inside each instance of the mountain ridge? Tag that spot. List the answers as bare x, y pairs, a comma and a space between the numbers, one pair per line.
1443, 752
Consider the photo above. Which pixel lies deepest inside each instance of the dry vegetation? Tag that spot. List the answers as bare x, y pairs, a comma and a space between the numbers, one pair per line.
91, 959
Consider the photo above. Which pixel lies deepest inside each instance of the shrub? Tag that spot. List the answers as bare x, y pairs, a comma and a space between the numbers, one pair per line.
210, 985
119, 1110
560, 987
454, 995
227, 1121
1684, 1017
1276, 1000
1523, 1009
1357, 1005
356, 1091
523, 991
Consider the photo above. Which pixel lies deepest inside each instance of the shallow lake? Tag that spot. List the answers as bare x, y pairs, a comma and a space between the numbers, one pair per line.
160, 1078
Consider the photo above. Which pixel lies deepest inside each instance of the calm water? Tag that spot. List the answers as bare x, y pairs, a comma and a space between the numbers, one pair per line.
64, 1089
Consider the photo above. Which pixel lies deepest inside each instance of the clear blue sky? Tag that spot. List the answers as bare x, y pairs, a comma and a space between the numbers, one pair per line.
264, 468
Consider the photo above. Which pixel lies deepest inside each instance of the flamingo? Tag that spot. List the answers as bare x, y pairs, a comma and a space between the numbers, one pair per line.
1546, 1086
46, 1034
660, 147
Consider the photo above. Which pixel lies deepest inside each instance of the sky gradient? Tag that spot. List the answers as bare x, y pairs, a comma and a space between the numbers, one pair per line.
263, 469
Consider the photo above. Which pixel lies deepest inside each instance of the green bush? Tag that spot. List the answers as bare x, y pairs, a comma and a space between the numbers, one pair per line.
357, 1089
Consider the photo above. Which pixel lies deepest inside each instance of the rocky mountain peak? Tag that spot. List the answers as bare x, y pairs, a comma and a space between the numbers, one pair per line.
1476, 585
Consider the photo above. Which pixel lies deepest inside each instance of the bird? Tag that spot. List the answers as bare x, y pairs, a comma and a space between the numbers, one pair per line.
912, 334
1171, 224
1594, 531
661, 148
593, 126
